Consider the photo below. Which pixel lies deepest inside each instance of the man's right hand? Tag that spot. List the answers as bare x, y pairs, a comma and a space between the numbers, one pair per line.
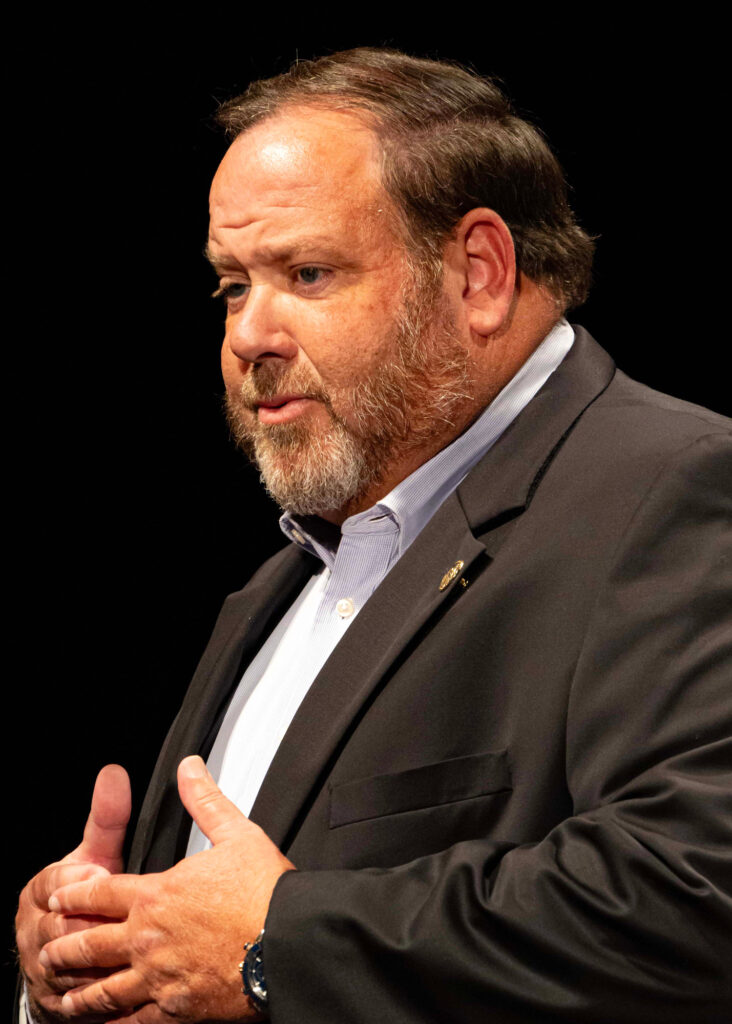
100, 852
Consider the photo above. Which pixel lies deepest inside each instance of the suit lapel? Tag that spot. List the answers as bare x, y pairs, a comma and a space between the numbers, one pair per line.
490, 498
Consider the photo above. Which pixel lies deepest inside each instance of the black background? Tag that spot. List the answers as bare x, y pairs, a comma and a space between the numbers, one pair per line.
130, 515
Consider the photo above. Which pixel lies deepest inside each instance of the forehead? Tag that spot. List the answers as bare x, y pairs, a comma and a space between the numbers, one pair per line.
301, 163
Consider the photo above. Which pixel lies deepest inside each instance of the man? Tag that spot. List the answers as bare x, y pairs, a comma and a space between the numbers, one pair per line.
476, 711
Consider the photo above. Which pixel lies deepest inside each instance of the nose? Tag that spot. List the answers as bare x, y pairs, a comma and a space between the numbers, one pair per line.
259, 331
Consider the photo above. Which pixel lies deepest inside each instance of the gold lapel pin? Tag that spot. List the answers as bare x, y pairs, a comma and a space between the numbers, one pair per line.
451, 574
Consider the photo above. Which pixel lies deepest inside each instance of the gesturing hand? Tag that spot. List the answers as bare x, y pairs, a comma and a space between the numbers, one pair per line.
98, 854
182, 931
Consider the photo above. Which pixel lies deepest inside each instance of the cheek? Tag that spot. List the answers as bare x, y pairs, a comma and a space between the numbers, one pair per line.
355, 352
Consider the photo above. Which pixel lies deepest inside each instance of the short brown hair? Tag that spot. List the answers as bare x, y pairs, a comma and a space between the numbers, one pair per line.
451, 142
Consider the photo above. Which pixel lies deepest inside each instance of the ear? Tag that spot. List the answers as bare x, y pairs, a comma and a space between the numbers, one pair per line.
485, 249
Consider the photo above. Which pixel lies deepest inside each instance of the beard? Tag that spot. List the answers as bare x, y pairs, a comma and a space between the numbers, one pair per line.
414, 398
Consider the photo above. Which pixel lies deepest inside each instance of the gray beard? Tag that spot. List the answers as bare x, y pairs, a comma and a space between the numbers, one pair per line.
405, 405
308, 473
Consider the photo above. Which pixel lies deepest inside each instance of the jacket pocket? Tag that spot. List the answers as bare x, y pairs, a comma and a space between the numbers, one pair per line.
460, 778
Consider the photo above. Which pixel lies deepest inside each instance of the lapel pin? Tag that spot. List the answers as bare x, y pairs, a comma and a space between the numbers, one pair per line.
451, 574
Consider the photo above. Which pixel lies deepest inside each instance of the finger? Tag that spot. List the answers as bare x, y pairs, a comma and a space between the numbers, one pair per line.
41, 1008
104, 834
54, 926
61, 983
110, 896
53, 877
216, 816
103, 946
116, 994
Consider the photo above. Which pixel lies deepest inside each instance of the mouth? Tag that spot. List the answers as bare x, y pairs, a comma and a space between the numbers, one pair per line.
282, 408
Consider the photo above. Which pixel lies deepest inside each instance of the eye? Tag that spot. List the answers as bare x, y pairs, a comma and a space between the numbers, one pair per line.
232, 293
310, 276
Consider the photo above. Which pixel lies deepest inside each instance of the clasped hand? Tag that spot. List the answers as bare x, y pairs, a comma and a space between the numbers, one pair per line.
170, 942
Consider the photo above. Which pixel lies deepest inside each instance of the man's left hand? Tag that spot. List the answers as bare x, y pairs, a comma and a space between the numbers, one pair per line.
182, 931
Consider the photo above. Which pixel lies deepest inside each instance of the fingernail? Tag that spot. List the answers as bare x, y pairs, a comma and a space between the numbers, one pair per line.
53, 904
193, 767
44, 959
67, 1004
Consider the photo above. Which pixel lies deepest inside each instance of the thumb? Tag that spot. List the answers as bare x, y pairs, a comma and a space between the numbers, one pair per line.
104, 833
216, 816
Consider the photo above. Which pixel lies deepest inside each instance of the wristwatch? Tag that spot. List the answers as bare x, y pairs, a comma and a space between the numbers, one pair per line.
252, 974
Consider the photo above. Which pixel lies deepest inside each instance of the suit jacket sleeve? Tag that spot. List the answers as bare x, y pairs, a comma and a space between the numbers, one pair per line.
623, 912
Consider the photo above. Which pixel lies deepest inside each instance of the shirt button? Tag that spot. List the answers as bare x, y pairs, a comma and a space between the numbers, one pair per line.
345, 607
297, 536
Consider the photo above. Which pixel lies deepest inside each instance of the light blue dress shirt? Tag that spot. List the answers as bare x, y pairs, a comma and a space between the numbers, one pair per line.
355, 561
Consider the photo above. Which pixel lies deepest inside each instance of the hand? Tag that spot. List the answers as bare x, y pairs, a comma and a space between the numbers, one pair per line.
98, 854
182, 931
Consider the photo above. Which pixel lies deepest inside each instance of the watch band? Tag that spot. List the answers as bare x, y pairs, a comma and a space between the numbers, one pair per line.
252, 973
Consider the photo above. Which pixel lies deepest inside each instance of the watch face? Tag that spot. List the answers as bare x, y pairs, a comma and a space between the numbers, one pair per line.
253, 975
255, 970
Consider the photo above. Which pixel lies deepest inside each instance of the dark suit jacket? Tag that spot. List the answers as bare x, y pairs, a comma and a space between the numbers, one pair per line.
510, 799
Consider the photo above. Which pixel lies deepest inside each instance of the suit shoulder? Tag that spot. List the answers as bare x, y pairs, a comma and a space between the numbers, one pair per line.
633, 442
654, 418
631, 431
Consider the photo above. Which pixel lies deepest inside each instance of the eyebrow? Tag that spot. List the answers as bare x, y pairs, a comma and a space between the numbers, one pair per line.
218, 262
277, 253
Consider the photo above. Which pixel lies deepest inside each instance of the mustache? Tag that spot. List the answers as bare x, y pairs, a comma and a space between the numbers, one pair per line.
265, 382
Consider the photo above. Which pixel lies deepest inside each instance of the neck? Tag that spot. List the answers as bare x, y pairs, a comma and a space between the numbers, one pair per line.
499, 357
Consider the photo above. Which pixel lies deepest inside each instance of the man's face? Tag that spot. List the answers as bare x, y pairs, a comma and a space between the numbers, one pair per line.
341, 376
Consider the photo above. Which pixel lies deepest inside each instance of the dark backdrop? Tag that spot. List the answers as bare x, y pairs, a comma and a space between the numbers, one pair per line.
130, 514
